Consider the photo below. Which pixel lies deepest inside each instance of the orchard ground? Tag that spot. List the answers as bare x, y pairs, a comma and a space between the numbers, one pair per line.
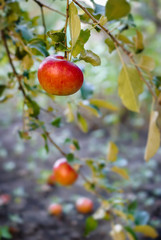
24, 165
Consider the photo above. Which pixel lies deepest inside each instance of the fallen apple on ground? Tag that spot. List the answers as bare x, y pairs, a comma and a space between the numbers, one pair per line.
55, 209
64, 173
84, 205
58, 76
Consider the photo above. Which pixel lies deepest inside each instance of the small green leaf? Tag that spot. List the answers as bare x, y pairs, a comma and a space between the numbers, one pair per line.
70, 157
130, 231
74, 23
57, 36
79, 46
46, 142
56, 122
2, 88
25, 32
90, 57
35, 108
130, 86
4, 232
116, 10
157, 81
38, 47
82, 123
103, 20
24, 135
91, 225
76, 144
110, 44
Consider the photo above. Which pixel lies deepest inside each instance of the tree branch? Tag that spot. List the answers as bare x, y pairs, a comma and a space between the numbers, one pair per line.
118, 44
50, 8
43, 21
19, 77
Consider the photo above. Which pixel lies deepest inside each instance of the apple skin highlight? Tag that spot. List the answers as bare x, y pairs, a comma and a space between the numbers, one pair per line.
58, 76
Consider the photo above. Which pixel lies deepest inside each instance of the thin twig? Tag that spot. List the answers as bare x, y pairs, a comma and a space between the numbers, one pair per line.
55, 145
65, 28
43, 21
117, 43
19, 77
50, 8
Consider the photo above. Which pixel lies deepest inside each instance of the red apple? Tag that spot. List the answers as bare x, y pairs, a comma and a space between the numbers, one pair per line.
59, 77
51, 180
84, 205
4, 199
64, 173
55, 209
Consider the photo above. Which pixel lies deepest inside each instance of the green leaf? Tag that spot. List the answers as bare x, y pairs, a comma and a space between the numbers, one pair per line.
82, 123
74, 23
103, 20
69, 113
2, 88
116, 10
4, 232
57, 36
38, 47
76, 144
91, 225
24, 135
153, 142
131, 232
56, 122
46, 142
87, 90
79, 46
35, 108
110, 44
130, 86
70, 157
90, 57
157, 81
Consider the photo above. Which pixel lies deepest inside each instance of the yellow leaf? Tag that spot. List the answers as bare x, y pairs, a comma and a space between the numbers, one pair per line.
117, 232
120, 171
102, 103
129, 87
27, 62
103, 20
124, 39
146, 230
139, 45
74, 23
153, 142
130, 237
147, 63
85, 104
112, 152
69, 113
82, 123
120, 213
